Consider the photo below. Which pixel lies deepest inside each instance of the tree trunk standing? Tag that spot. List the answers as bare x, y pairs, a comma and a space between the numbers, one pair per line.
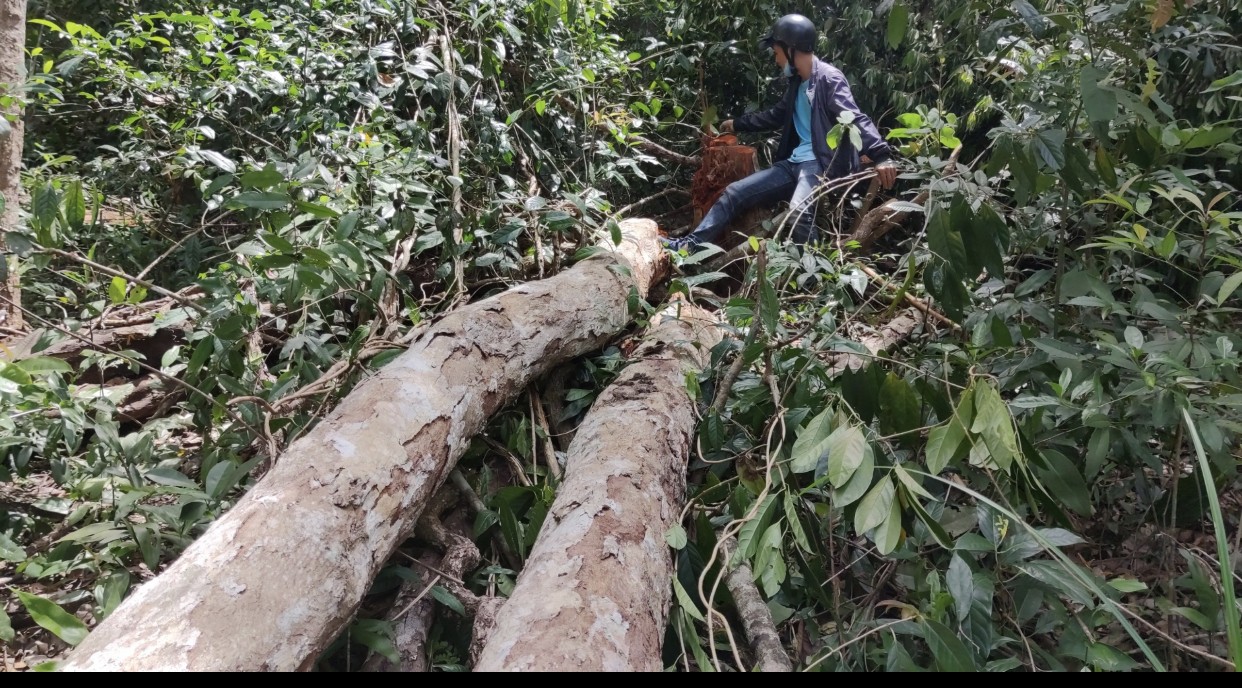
594, 595
12, 80
279, 576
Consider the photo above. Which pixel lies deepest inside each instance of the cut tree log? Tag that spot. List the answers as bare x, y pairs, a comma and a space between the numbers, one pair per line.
878, 221
279, 576
594, 595
889, 334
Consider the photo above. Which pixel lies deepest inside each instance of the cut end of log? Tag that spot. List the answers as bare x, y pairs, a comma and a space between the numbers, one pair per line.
641, 252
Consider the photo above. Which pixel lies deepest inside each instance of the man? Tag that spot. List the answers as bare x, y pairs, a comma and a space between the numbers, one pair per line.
816, 96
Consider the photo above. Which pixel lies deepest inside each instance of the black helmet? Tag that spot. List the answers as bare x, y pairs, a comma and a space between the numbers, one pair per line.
793, 30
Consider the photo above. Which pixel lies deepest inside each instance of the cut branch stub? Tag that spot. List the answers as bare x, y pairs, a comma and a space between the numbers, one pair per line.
594, 595
278, 577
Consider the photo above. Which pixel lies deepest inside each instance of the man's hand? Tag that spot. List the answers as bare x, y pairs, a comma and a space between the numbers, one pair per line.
887, 172
726, 127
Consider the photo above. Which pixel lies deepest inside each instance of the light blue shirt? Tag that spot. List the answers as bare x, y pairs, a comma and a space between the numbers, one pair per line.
802, 125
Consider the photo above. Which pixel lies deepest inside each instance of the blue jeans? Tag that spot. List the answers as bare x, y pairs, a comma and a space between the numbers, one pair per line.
784, 180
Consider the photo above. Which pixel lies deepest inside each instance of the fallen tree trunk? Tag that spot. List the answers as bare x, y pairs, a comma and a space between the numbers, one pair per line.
594, 595
274, 580
878, 221
889, 335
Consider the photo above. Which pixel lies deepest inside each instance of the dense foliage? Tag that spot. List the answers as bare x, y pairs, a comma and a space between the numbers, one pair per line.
303, 181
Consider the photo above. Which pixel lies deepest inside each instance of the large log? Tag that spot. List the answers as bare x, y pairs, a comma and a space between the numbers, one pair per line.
279, 576
594, 595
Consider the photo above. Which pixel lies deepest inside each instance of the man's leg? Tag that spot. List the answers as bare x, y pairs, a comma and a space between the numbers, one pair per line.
764, 187
802, 205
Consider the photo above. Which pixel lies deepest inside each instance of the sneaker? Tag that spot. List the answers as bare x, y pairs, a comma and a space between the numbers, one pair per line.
676, 245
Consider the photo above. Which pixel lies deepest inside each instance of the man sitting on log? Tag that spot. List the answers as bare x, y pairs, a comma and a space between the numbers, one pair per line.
817, 95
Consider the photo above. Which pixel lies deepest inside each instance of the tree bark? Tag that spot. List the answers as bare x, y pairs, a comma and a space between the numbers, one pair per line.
889, 335
756, 618
274, 580
594, 595
12, 81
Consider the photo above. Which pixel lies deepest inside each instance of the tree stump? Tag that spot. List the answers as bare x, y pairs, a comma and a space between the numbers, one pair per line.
724, 161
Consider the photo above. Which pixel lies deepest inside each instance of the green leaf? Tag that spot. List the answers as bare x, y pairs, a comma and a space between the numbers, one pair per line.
898, 19
1050, 146
589, 74
278, 242
948, 138
676, 537
1227, 287
44, 364
947, 648
987, 239
448, 599
1100, 103
748, 536
938, 533
911, 484
376, 635
10, 551
44, 204
75, 205
1058, 577
900, 411
944, 443
858, 483
961, 582
888, 535
260, 200
110, 591
1234, 79
993, 422
116, 290
795, 524
812, 442
876, 506
169, 476
1064, 482
320, 211
6, 627
50, 616
1127, 585
846, 449
834, 137
1209, 136
1107, 658
769, 305
946, 241
262, 179
770, 567
685, 601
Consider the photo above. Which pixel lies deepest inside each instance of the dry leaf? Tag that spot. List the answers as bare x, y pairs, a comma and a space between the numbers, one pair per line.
1162, 13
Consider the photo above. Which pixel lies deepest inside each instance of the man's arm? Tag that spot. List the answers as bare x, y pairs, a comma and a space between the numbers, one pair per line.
764, 120
841, 99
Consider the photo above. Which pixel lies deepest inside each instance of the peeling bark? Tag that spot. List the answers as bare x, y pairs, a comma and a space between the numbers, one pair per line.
12, 82
274, 580
594, 595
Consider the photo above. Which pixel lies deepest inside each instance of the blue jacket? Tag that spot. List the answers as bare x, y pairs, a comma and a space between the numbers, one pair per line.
829, 93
